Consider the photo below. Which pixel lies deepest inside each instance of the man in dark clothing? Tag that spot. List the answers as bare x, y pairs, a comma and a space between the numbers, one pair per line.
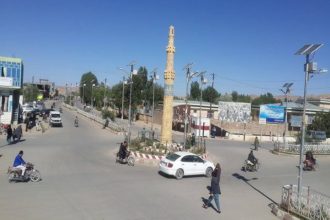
193, 139
9, 134
215, 188
252, 158
123, 150
26, 121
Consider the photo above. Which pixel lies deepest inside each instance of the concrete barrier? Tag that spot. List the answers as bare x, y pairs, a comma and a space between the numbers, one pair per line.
111, 126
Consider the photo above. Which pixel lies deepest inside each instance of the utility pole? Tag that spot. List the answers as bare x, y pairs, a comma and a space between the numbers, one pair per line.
310, 67
188, 77
130, 103
210, 116
202, 81
105, 87
154, 78
122, 100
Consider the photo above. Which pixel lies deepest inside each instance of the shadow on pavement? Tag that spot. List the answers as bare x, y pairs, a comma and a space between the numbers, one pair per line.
13, 142
247, 181
205, 200
173, 177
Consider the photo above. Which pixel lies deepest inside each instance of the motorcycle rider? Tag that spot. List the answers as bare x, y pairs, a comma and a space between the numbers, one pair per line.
76, 121
123, 150
20, 163
252, 158
310, 161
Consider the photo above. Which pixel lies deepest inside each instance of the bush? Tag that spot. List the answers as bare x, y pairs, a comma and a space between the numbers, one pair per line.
108, 114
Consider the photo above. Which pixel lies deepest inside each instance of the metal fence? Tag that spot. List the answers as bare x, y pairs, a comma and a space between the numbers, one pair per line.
294, 148
311, 205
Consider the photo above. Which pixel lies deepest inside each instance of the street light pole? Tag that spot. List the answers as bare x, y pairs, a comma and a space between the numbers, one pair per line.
105, 84
202, 81
302, 144
92, 103
286, 86
130, 104
154, 78
84, 93
188, 78
310, 68
122, 100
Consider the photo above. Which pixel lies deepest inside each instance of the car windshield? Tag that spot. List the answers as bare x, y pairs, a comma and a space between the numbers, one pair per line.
172, 157
56, 115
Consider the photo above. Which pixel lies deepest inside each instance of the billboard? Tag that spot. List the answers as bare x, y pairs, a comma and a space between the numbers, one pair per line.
296, 120
271, 114
234, 111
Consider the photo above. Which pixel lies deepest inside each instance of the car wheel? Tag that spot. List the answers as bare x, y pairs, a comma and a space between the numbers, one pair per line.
179, 174
208, 172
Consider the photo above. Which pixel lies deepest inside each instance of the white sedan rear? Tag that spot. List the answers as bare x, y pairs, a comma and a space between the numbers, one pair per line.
181, 164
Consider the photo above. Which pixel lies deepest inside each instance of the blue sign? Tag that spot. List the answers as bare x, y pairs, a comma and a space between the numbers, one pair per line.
271, 114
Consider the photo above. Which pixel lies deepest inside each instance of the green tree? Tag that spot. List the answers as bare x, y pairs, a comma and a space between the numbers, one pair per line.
267, 98
30, 93
244, 98
226, 98
210, 94
195, 91
321, 122
234, 96
86, 82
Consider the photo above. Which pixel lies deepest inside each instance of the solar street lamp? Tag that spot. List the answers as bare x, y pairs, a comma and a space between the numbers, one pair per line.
286, 90
310, 68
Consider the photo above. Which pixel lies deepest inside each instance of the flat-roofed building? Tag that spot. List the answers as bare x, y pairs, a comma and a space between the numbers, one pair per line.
11, 81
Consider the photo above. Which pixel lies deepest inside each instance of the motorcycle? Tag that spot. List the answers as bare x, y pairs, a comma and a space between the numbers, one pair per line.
310, 166
249, 166
129, 159
76, 123
31, 174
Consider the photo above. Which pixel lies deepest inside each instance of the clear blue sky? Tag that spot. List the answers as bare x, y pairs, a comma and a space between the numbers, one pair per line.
249, 45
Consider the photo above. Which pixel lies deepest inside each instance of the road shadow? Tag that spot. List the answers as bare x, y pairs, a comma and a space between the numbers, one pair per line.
205, 201
173, 177
13, 142
247, 181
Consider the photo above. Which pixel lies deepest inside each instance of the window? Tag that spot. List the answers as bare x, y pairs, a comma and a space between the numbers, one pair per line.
198, 159
188, 158
172, 157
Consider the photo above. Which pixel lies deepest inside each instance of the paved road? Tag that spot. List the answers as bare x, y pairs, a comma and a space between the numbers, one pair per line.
81, 180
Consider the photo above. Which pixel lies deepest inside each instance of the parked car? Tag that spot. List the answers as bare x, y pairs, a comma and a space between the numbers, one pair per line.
46, 111
181, 164
317, 135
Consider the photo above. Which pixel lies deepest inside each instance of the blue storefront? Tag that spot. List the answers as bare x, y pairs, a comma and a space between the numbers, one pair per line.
11, 81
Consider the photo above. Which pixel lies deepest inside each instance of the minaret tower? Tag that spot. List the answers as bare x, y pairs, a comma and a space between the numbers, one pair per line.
169, 75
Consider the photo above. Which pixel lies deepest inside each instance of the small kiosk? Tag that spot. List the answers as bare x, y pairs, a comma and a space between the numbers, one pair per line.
202, 129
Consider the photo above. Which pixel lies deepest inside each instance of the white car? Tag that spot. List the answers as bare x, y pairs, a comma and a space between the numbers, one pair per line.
181, 164
55, 119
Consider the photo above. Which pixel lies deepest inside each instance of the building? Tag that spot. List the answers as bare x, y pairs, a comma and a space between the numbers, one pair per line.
321, 102
11, 81
45, 87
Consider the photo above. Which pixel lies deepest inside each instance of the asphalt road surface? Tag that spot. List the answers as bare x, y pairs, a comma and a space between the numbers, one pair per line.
80, 180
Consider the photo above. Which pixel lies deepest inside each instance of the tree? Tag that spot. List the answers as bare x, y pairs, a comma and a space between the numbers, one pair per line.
86, 82
210, 94
30, 93
321, 122
267, 98
244, 98
226, 98
195, 91
234, 96
240, 97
